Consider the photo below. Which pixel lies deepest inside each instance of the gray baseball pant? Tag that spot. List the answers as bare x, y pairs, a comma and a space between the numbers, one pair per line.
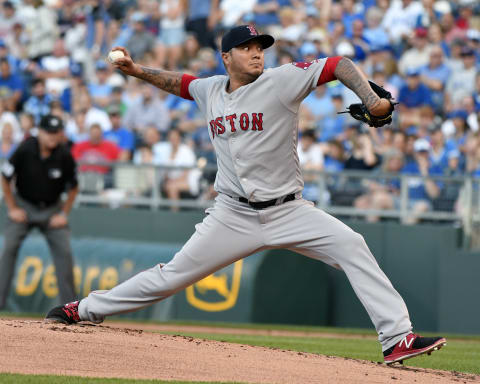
58, 240
233, 230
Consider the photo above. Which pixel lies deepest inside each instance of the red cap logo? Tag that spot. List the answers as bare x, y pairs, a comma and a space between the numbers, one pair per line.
253, 31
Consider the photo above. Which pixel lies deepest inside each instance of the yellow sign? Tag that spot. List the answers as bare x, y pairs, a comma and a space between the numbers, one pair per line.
219, 284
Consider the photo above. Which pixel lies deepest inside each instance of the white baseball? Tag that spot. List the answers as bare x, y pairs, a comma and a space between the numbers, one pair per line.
115, 55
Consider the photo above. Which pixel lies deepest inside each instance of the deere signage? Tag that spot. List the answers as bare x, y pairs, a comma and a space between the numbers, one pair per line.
102, 264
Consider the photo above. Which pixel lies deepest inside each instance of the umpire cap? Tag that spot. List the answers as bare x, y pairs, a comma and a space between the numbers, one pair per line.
242, 34
51, 124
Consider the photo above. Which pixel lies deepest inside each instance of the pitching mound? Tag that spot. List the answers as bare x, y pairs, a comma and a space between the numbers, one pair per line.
35, 347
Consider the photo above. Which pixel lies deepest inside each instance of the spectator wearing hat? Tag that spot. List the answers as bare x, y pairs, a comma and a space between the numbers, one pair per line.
38, 104
75, 84
42, 169
462, 82
435, 75
100, 90
419, 54
331, 126
421, 191
141, 41
121, 136
412, 96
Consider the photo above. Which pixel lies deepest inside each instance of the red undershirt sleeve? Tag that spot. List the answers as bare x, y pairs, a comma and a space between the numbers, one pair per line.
328, 70
186, 80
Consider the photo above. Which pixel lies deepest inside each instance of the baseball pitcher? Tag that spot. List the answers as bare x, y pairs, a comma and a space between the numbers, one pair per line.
252, 122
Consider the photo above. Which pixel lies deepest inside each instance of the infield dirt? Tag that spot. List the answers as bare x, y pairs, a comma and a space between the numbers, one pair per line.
116, 350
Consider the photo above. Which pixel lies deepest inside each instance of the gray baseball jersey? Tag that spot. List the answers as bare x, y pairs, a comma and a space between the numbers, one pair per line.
254, 132
254, 129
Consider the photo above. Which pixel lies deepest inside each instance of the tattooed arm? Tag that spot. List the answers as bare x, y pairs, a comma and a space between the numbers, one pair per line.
350, 75
168, 81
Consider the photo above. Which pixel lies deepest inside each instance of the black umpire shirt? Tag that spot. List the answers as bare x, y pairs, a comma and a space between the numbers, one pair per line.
41, 181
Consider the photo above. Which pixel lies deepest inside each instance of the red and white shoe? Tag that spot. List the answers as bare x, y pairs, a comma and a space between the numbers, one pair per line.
66, 314
412, 345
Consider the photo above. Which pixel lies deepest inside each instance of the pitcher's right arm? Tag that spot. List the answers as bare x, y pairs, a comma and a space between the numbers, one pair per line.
168, 81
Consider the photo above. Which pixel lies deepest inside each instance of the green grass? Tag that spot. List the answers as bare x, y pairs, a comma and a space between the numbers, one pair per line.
459, 354
8, 378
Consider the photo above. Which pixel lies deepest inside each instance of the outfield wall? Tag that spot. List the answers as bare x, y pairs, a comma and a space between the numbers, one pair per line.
437, 279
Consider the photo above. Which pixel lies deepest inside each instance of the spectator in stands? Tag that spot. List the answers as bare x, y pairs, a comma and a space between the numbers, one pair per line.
10, 83
363, 156
144, 152
319, 103
413, 95
100, 90
375, 33
141, 41
421, 191
27, 125
438, 151
149, 109
429, 15
41, 27
400, 19
201, 20
462, 82
96, 153
119, 134
7, 143
172, 33
174, 153
310, 156
76, 128
7, 18
331, 127
435, 75
418, 55
265, 12
38, 104
382, 193
55, 69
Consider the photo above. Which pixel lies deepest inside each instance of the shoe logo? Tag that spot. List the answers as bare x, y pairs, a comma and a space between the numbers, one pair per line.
407, 343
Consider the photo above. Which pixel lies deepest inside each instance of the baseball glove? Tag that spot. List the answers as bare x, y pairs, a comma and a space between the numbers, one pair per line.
360, 112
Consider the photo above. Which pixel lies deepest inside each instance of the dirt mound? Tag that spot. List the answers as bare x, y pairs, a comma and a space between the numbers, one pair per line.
35, 347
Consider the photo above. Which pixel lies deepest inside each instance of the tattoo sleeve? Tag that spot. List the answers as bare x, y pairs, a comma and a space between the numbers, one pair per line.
170, 82
350, 75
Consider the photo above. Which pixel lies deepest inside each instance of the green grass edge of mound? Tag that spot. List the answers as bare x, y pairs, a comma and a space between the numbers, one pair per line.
457, 355
14, 378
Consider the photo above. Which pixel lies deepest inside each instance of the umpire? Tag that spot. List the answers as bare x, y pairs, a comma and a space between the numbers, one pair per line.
43, 169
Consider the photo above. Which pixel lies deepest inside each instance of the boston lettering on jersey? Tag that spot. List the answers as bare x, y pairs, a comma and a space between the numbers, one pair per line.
243, 122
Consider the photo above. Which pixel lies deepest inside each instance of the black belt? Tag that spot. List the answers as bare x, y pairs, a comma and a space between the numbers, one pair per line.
265, 204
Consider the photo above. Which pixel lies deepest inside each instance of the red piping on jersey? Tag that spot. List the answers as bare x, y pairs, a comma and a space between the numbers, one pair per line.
328, 70
186, 80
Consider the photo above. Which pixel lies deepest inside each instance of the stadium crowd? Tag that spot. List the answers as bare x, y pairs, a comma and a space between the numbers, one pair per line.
426, 53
